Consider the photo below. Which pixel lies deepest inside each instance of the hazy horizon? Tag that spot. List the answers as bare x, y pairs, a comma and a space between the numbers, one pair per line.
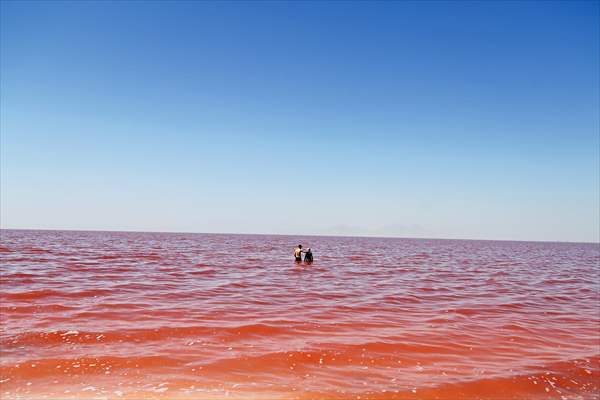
298, 235
453, 120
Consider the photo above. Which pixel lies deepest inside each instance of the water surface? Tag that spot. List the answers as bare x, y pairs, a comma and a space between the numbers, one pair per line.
159, 315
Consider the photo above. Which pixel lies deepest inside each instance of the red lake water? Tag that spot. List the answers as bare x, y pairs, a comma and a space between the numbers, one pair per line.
112, 315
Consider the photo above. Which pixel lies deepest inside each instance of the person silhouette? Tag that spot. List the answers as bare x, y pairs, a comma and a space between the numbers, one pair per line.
308, 256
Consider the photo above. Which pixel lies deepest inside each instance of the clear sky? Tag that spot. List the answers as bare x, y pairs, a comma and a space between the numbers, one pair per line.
413, 119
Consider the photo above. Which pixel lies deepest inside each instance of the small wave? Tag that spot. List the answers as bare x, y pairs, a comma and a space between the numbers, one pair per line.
142, 256
41, 308
29, 260
36, 250
396, 347
469, 312
575, 379
145, 335
40, 294
205, 271
400, 300
107, 257
18, 275
83, 365
518, 328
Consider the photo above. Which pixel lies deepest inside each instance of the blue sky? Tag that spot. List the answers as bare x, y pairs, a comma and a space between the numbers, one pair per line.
414, 119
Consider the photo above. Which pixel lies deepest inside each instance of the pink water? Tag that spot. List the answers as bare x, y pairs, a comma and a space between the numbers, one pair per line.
157, 315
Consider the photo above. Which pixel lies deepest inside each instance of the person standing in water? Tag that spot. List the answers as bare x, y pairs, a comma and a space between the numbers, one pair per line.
308, 257
298, 253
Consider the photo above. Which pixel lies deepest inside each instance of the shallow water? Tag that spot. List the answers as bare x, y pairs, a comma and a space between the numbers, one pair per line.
158, 315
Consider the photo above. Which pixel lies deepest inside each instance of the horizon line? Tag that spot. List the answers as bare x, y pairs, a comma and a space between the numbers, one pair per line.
293, 234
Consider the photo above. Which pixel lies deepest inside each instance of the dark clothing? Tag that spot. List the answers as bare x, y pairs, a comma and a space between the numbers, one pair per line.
308, 257
298, 259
